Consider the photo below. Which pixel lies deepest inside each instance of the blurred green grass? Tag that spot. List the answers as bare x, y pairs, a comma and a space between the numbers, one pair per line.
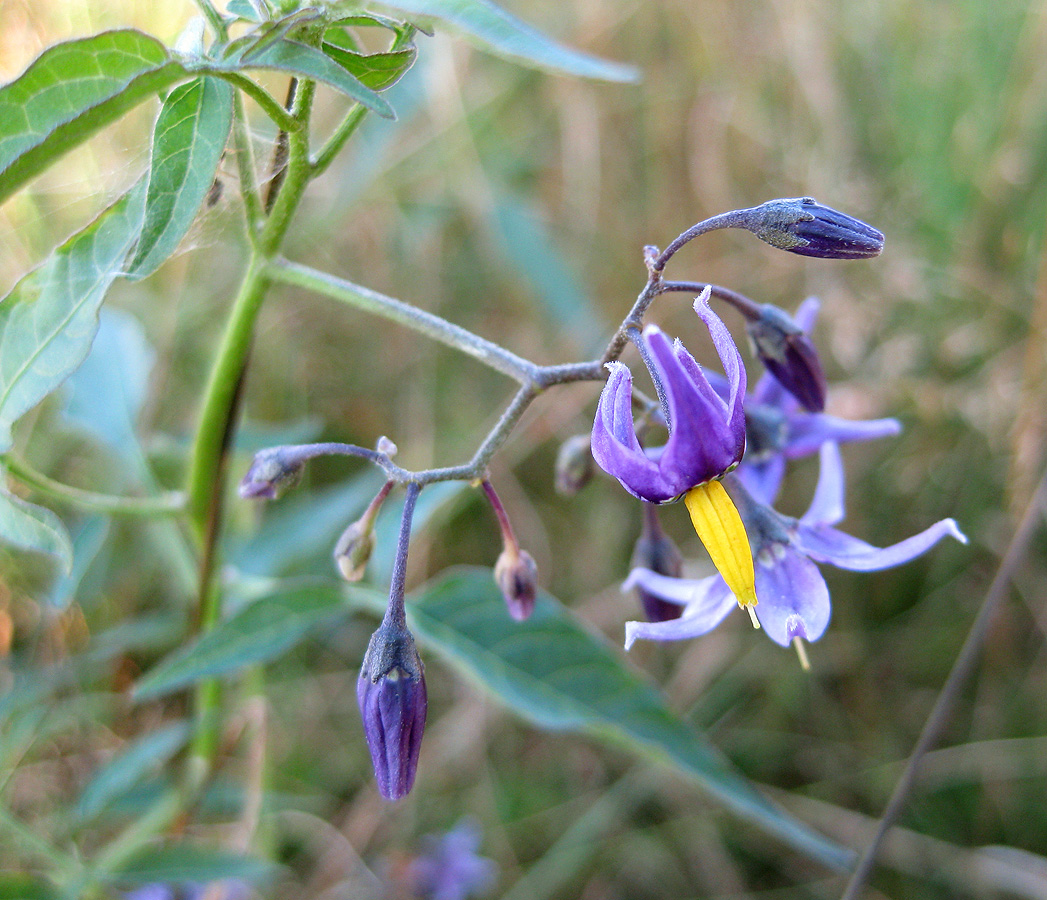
928, 120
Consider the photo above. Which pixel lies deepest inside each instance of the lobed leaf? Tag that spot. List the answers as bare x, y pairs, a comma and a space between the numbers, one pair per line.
49, 319
258, 633
188, 142
34, 528
507, 36
554, 672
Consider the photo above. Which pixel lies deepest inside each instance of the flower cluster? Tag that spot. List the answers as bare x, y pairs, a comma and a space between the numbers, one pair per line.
766, 561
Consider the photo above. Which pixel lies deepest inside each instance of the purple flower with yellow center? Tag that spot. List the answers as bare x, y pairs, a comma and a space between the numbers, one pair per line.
706, 440
794, 600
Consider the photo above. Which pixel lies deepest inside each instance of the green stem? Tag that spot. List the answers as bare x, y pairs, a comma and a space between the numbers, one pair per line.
338, 139
206, 479
419, 320
168, 504
269, 104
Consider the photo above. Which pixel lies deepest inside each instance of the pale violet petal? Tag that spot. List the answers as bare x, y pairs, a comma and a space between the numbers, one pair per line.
826, 544
827, 504
793, 598
698, 618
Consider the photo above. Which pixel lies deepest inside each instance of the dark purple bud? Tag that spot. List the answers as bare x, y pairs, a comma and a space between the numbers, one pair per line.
273, 472
393, 703
806, 227
574, 465
516, 573
655, 551
789, 354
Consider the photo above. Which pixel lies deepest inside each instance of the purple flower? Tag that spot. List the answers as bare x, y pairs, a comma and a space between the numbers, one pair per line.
706, 432
393, 704
654, 550
450, 868
794, 601
777, 428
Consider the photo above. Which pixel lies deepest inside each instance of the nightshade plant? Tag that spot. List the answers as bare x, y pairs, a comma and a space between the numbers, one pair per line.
49, 320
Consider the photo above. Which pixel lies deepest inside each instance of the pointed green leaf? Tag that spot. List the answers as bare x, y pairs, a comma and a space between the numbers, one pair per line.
375, 70
126, 769
26, 887
49, 319
71, 91
553, 671
258, 633
34, 528
188, 142
507, 36
184, 863
300, 59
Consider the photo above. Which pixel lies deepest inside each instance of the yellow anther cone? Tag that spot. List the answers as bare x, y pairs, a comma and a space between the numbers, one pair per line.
720, 528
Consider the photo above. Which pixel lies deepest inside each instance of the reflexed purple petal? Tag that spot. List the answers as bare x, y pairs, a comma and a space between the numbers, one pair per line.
827, 504
731, 360
699, 618
764, 478
707, 601
614, 444
826, 544
794, 601
808, 433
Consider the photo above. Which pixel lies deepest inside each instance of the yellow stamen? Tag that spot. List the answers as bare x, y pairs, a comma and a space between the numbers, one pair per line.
720, 528
801, 651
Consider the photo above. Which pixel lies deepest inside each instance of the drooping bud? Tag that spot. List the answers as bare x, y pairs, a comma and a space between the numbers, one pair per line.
790, 355
393, 704
655, 551
355, 546
273, 472
574, 465
516, 574
802, 225
353, 550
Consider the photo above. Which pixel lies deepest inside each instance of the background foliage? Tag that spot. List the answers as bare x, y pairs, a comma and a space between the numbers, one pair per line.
517, 203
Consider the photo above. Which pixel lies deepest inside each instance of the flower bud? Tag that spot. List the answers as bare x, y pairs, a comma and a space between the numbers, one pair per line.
516, 574
393, 704
574, 465
655, 551
273, 472
354, 549
789, 354
806, 227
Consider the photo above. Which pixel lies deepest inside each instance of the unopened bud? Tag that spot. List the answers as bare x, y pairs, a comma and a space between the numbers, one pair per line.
386, 446
655, 551
804, 226
790, 355
393, 703
516, 574
354, 549
574, 465
273, 472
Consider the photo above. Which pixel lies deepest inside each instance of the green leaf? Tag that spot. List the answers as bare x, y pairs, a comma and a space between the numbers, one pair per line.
182, 863
71, 91
188, 142
258, 633
34, 528
87, 543
49, 319
554, 672
375, 70
507, 36
126, 769
300, 59
248, 10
